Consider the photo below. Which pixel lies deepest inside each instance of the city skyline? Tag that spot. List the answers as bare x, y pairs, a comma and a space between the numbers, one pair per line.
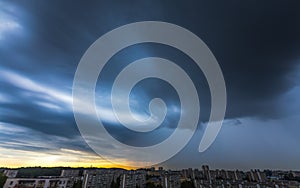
146, 177
257, 45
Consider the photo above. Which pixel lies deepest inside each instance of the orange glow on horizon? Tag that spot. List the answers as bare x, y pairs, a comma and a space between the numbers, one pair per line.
10, 163
26, 165
63, 158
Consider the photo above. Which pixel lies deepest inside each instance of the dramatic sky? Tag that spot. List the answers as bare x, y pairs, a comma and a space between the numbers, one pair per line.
257, 44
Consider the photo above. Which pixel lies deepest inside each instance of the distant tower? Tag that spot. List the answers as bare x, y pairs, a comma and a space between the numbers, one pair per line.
206, 172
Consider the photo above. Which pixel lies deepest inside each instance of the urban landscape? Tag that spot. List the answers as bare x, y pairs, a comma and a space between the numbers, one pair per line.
61, 177
149, 94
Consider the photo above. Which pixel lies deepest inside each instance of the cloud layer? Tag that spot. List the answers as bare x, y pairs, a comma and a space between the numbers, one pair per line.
257, 45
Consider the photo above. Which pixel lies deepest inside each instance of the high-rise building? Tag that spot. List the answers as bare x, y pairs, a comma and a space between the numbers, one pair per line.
44, 182
69, 173
133, 179
103, 178
206, 173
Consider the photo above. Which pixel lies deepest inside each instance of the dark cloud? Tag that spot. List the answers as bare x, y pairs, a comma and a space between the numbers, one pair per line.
256, 43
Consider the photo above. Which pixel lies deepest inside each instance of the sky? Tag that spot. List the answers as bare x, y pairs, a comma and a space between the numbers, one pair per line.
256, 43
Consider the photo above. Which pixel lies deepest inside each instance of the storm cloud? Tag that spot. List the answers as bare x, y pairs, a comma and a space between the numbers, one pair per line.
256, 43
